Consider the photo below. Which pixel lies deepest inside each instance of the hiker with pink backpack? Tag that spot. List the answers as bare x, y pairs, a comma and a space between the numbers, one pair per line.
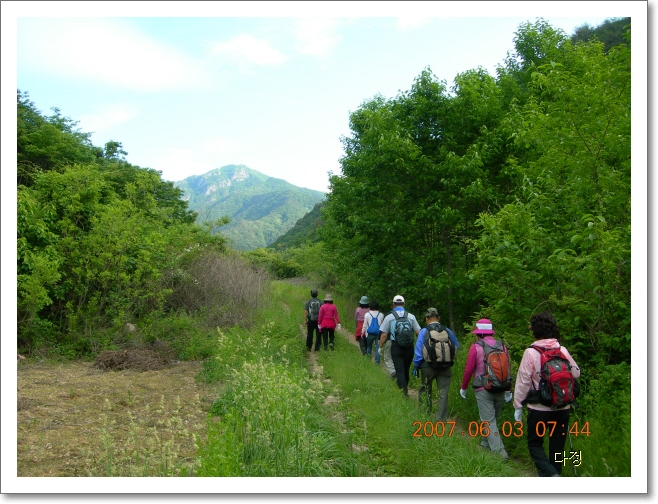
547, 383
489, 365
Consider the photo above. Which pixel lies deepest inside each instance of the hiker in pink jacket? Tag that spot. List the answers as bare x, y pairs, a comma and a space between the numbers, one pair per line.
490, 404
328, 321
546, 333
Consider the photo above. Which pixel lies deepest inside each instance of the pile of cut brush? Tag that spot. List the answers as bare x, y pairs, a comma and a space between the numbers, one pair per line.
155, 356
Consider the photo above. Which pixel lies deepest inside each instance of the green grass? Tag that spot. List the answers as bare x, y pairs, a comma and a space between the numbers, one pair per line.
270, 418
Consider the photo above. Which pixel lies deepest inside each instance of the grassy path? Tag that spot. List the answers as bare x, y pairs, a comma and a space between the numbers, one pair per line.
380, 422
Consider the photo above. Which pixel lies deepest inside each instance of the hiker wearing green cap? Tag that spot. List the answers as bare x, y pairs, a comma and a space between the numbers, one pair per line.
359, 316
434, 356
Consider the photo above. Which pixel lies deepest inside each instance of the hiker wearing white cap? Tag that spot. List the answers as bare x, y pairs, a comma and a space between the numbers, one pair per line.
490, 402
328, 321
359, 315
399, 327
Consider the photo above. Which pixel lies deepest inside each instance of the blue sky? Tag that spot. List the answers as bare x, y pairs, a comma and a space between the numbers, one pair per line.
188, 94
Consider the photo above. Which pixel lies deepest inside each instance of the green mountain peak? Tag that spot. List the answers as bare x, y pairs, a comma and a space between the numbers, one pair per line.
261, 208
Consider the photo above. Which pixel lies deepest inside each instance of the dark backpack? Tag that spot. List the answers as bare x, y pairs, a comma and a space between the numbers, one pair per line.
404, 333
314, 309
373, 327
438, 349
497, 375
557, 386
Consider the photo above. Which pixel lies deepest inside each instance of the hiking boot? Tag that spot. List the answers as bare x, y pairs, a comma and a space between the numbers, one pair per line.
393, 375
331, 346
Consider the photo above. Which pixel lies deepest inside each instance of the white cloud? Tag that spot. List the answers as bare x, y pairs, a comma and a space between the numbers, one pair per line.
177, 164
249, 49
106, 50
408, 23
221, 146
107, 116
317, 36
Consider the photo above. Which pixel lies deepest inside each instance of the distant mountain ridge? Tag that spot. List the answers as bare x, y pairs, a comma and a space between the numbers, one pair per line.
261, 207
304, 230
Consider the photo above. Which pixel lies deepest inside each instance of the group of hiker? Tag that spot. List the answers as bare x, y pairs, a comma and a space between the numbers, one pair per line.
546, 381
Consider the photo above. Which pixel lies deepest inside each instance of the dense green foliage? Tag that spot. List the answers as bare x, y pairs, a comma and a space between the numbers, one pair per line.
259, 208
611, 32
96, 235
499, 197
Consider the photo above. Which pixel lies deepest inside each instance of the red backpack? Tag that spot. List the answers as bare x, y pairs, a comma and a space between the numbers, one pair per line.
497, 375
557, 386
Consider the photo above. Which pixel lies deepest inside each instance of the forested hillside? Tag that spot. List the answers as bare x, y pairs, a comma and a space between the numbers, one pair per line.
260, 208
304, 230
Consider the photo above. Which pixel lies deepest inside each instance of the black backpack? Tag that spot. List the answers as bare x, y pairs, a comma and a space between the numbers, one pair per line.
314, 309
404, 333
438, 349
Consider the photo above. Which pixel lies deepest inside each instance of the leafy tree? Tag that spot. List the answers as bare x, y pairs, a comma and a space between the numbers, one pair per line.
417, 171
565, 242
48, 143
612, 32
95, 235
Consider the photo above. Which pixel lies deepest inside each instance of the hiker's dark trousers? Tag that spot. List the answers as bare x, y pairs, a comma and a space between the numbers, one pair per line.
402, 359
312, 325
327, 335
546, 465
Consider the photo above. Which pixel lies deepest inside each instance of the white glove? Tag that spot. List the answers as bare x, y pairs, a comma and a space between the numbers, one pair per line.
508, 396
462, 392
518, 414
338, 327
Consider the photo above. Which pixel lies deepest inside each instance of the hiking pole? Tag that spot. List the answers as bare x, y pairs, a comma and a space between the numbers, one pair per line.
575, 473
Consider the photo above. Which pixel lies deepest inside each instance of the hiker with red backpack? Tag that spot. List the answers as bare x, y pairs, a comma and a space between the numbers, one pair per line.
547, 383
489, 365
434, 356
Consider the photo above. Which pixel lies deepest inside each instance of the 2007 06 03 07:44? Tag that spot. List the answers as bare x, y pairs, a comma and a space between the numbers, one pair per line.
438, 429
549, 427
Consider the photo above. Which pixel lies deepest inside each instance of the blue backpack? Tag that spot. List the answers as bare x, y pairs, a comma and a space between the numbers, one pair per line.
373, 328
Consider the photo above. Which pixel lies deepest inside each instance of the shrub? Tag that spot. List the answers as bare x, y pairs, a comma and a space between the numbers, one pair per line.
224, 287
